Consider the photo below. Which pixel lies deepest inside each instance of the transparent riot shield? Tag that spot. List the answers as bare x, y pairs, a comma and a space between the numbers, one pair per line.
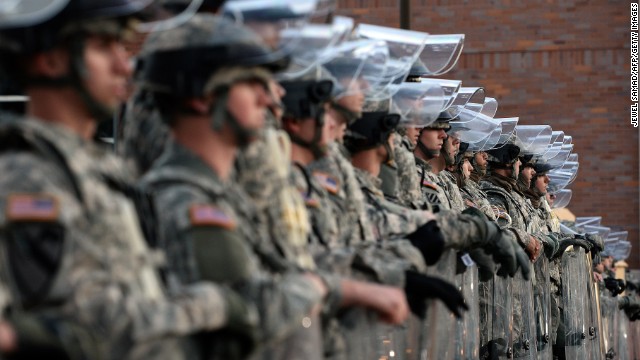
496, 319
592, 315
469, 331
358, 331
608, 306
623, 336
542, 308
524, 346
573, 304
439, 325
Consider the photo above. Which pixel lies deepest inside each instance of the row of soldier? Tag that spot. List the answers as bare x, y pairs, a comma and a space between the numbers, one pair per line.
283, 189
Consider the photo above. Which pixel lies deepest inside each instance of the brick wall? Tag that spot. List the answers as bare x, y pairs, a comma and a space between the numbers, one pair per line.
563, 63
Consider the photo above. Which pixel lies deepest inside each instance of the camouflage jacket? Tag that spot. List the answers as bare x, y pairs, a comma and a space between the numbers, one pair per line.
509, 207
70, 198
431, 186
365, 259
141, 134
409, 194
452, 190
474, 197
211, 235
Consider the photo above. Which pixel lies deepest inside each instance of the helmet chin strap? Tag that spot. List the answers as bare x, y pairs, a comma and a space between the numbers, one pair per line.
76, 79
221, 115
313, 145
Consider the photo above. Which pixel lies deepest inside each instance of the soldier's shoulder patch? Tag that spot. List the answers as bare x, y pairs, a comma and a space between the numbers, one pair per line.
32, 207
209, 215
429, 184
327, 181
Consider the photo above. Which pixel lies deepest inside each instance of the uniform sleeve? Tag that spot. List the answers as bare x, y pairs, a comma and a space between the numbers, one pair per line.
79, 285
220, 253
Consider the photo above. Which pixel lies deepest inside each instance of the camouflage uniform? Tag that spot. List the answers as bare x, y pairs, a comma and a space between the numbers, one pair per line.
212, 236
452, 190
141, 135
474, 197
409, 194
71, 197
432, 186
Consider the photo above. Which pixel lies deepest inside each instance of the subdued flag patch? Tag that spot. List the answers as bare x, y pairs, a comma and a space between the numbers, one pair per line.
326, 181
211, 216
429, 184
32, 207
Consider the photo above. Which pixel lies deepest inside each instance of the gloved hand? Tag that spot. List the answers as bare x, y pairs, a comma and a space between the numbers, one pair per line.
629, 303
500, 244
239, 337
576, 241
429, 241
597, 244
420, 287
613, 286
486, 266
551, 245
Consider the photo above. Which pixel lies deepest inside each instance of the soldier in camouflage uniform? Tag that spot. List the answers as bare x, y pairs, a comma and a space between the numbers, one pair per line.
428, 148
74, 247
470, 190
212, 227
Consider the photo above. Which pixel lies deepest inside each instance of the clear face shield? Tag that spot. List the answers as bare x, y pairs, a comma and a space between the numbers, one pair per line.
498, 137
533, 139
441, 53
560, 157
419, 104
404, 48
602, 231
356, 66
562, 198
467, 98
588, 220
310, 45
23, 13
271, 19
475, 122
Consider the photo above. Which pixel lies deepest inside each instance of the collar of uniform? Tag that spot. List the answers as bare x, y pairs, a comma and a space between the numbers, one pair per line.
368, 181
183, 163
504, 182
423, 164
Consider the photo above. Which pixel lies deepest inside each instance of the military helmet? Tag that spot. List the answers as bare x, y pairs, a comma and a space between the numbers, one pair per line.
505, 154
187, 60
373, 128
29, 36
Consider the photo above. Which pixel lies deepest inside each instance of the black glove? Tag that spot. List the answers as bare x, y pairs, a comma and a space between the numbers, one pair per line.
613, 285
420, 287
576, 241
486, 266
429, 240
629, 303
597, 244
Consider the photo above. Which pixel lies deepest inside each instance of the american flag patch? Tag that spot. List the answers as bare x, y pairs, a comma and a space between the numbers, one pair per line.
32, 207
430, 185
210, 215
327, 182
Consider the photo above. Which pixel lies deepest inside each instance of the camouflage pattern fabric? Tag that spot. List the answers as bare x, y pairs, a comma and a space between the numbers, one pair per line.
431, 186
210, 224
452, 190
409, 194
107, 281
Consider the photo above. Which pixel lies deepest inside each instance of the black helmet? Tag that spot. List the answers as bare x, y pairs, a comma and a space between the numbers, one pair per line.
506, 154
181, 61
371, 130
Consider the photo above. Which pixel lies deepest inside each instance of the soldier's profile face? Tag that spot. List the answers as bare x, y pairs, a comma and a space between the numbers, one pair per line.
108, 70
433, 139
481, 159
527, 174
412, 134
248, 102
542, 182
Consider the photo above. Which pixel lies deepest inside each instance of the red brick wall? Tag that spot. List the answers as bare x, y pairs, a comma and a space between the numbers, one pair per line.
562, 63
